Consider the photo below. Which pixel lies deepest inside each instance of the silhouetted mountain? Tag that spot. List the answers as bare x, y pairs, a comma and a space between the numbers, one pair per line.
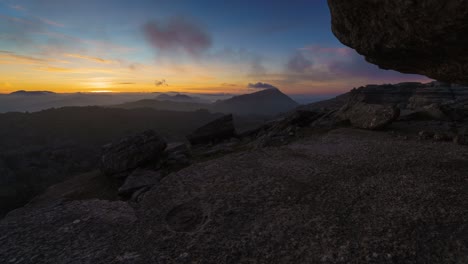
180, 98
31, 101
23, 92
266, 102
164, 105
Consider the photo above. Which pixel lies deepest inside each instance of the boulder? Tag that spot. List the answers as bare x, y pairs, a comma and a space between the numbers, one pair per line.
435, 111
131, 152
280, 131
441, 136
138, 179
369, 116
425, 135
424, 37
178, 155
460, 140
216, 131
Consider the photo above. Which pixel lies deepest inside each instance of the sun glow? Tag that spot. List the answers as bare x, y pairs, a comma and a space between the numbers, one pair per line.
102, 91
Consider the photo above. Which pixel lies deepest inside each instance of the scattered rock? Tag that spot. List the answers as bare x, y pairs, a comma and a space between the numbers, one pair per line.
132, 152
425, 135
425, 37
434, 111
178, 155
214, 132
280, 131
185, 217
216, 150
369, 116
460, 140
440, 136
139, 179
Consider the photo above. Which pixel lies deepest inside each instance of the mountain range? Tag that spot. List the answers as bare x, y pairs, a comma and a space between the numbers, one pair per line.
267, 102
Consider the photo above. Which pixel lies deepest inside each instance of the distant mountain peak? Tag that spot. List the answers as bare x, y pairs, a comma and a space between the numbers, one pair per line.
265, 102
176, 97
23, 92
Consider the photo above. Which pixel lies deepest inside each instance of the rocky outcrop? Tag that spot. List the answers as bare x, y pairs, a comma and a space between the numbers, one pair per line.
369, 116
132, 152
281, 131
178, 155
216, 131
425, 37
410, 95
139, 179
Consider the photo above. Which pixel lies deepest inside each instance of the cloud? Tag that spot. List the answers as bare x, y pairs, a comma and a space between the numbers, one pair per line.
50, 22
17, 7
161, 83
55, 69
256, 66
334, 51
229, 85
177, 34
261, 85
8, 57
74, 70
336, 64
299, 63
94, 59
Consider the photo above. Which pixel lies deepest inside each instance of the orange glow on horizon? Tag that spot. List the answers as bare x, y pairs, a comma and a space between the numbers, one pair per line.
102, 91
71, 72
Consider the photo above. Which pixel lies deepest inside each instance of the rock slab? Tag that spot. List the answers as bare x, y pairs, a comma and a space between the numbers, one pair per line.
369, 116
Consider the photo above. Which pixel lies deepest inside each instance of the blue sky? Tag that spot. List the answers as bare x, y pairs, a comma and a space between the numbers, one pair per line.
203, 45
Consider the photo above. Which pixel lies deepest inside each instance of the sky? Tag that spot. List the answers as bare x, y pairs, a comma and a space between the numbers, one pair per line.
202, 46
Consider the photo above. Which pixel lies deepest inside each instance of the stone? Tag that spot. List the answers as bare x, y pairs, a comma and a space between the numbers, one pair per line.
131, 152
434, 111
214, 132
369, 116
425, 135
178, 155
138, 179
424, 37
460, 140
440, 136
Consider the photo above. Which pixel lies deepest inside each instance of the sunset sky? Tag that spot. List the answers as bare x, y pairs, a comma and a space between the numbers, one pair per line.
202, 46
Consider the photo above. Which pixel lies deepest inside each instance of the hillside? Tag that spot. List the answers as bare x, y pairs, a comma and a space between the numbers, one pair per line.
166, 105
42, 148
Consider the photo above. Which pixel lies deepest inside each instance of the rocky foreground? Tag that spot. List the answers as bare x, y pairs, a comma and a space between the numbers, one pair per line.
356, 179
347, 196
